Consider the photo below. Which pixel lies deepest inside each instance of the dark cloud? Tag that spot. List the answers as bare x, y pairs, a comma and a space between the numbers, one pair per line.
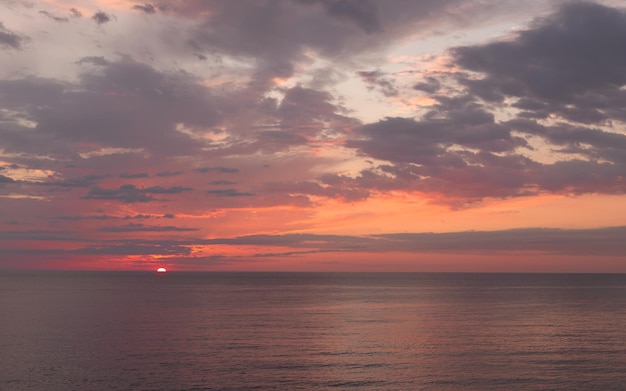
6, 179
567, 66
125, 193
133, 248
145, 8
74, 13
225, 170
83, 181
101, 17
460, 157
131, 194
138, 216
10, 166
430, 85
362, 13
277, 35
423, 142
102, 217
146, 228
460, 177
9, 39
166, 190
276, 140
593, 143
599, 241
571, 64
230, 193
306, 114
222, 183
90, 217
134, 176
379, 81
61, 19
168, 216
123, 105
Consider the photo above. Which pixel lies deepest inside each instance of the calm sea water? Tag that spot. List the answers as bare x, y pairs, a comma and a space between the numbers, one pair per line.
291, 331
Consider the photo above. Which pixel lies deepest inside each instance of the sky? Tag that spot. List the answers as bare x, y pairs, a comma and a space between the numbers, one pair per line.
313, 135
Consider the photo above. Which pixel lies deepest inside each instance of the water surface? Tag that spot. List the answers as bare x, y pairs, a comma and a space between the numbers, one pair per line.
311, 331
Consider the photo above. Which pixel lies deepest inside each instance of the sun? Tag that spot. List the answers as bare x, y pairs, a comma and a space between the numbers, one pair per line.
161, 270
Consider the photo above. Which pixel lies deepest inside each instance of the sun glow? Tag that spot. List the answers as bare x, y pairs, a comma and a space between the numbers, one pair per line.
161, 270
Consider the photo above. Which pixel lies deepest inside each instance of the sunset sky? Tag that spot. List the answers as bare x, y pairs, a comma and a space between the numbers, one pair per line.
305, 135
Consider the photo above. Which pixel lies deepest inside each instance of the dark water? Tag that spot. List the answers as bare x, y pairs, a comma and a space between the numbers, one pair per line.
286, 331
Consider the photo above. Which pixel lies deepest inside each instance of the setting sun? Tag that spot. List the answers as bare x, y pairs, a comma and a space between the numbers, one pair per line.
161, 270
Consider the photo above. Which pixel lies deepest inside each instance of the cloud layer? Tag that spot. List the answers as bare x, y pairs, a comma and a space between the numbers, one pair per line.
267, 119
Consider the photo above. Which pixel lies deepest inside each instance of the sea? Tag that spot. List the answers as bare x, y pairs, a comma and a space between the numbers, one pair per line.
311, 331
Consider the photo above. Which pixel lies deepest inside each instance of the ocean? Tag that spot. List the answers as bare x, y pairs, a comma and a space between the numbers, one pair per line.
311, 331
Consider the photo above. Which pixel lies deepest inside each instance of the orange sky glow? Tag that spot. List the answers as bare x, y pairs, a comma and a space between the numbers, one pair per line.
303, 136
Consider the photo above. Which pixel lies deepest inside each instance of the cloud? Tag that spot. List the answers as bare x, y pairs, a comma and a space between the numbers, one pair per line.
599, 241
607, 241
458, 156
94, 60
102, 217
123, 105
278, 102
145, 8
430, 85
298, 240
230, 193
362, 13
134, 176
131, 194
91, 217
166, 190
6, 179
222, 183
125, 193
146, 228
554, 80
308, 114
61, 19
224, 170
138, 216
379, 81
9, 39
133, 248
278, 36
83, 181
101, 17
570, 64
